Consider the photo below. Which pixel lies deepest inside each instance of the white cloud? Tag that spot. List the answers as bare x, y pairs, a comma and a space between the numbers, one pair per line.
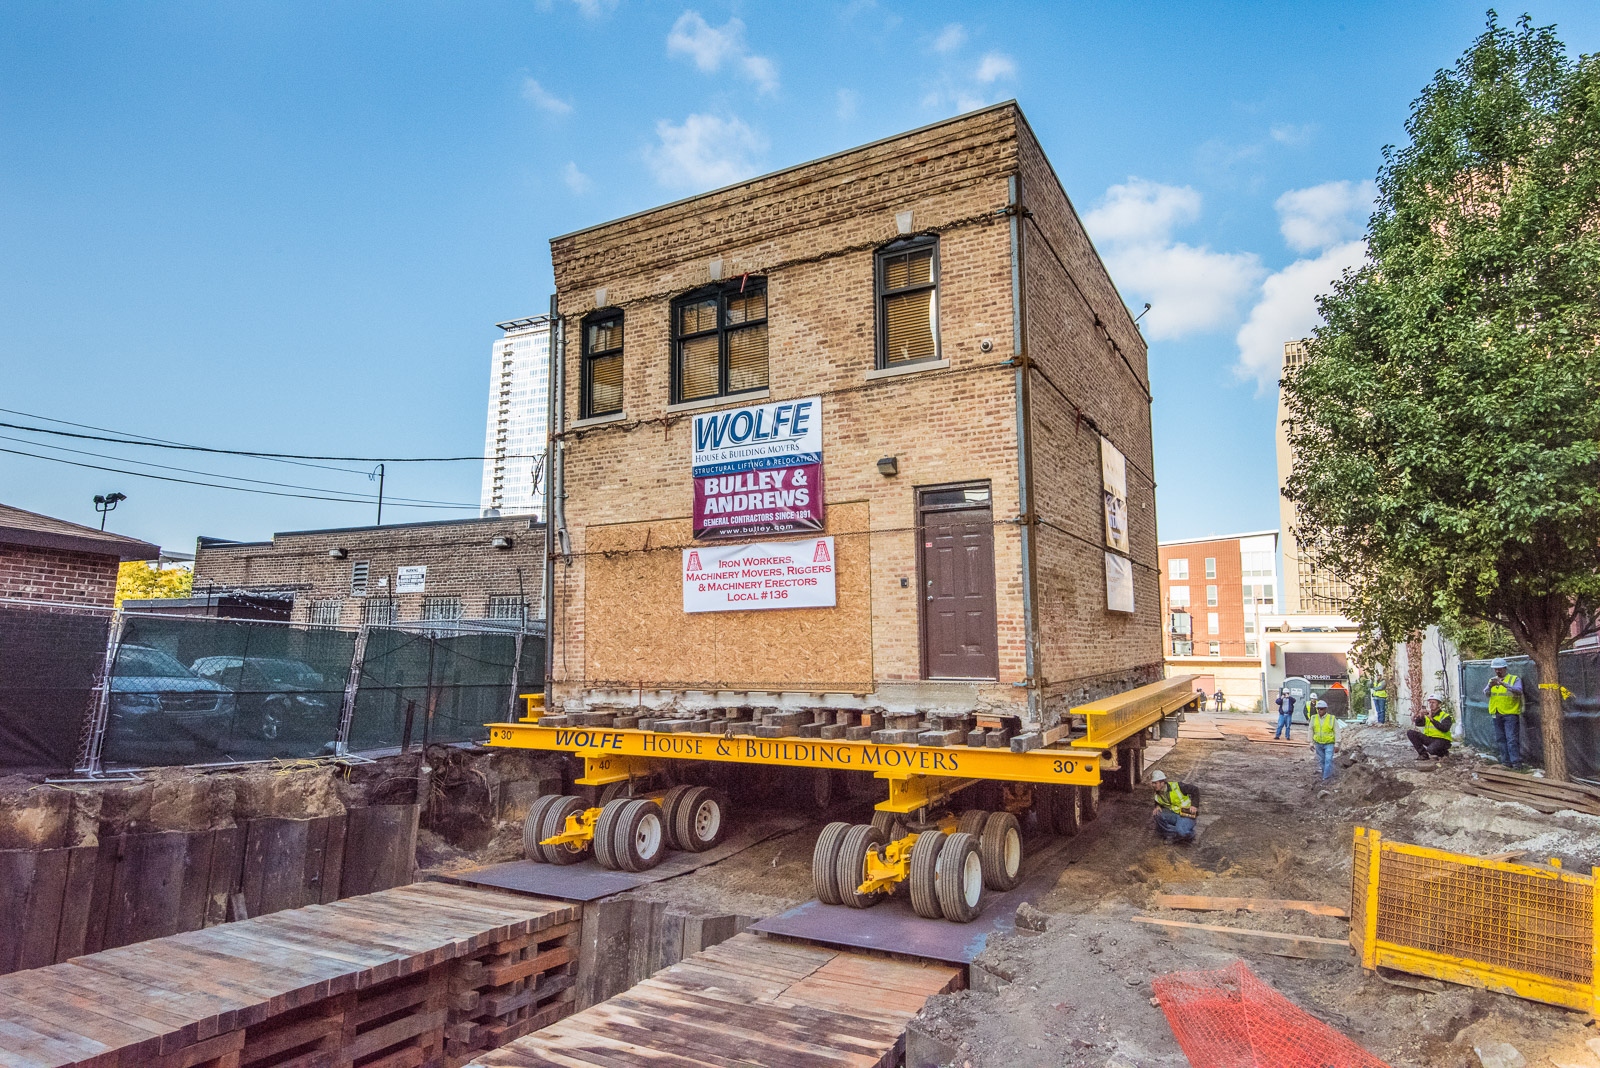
846, 103
576, 180
994, 66
950, 38
590, 9
543, 99
704, 151
1190, 288
709, 48
1142, 211
1288, 133
1287, 309
1325, 214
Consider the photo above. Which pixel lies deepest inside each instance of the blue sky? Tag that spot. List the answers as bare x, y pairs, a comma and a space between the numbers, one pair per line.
293, 226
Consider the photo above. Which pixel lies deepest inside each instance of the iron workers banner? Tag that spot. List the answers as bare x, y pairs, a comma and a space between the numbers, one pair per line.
758, 470
759, 574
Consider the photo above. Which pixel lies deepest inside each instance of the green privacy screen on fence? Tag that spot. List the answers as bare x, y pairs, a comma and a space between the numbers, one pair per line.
188, 690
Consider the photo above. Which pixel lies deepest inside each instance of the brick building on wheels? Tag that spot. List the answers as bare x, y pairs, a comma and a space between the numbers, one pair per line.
868, 432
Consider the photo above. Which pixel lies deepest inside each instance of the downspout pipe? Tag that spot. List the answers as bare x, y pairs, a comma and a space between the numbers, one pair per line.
549, 584
1025, 501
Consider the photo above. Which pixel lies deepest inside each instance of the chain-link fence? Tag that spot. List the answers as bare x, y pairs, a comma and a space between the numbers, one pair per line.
195, 690
51, 659
1580, 708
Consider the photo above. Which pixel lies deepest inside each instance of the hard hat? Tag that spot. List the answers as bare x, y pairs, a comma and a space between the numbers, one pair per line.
1322, 704
1158, 776
1498, 662
1436, 696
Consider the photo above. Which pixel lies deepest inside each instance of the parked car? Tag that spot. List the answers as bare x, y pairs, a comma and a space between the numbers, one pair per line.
276, 696
160, 711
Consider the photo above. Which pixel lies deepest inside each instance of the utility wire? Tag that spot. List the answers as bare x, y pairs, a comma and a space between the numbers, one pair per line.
218, 485
269, 455
236, 478
164, 441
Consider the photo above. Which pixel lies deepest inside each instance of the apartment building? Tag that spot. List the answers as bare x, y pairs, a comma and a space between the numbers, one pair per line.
1215, 592
872, 430
519, 418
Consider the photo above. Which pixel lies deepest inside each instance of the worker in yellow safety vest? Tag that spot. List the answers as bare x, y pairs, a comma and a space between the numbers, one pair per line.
1504, 692
1177, 806
1324, 735
1433, 740
1380, 699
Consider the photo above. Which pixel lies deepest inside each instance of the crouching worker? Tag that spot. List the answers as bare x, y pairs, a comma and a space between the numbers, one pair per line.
1177, 805
1433, 740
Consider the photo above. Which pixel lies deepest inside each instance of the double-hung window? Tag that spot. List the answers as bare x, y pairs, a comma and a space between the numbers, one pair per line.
602, 364
719, 340
908, 301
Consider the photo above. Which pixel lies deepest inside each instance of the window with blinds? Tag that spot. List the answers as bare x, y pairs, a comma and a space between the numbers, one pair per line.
908, 301
719, 340
602, 364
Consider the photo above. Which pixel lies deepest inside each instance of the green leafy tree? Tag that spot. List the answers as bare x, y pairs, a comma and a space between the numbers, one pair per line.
140, 578
1446, 420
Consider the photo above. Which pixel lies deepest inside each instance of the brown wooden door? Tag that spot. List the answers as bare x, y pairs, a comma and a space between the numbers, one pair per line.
959, 638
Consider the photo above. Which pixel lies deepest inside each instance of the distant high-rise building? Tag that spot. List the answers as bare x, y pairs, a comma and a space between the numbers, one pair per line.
519, 417
1307, 590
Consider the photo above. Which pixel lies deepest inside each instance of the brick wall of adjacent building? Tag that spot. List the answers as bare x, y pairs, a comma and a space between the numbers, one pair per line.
811, 233
461, 560
38, 574
1089, 378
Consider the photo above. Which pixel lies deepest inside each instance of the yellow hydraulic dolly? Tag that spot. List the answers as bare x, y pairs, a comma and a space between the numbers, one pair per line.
917, 838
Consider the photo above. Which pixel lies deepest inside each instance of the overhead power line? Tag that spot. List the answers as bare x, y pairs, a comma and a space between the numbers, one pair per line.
164, 441
218, 485
235, 478
267, 455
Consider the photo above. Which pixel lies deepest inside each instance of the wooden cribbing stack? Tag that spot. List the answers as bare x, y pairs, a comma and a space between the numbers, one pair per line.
1545, 795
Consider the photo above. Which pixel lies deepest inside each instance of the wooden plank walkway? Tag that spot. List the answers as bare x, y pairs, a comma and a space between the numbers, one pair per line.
348, 979
748, 1001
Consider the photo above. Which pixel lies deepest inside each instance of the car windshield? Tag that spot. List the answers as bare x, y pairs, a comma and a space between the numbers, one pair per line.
144, 662
287, 671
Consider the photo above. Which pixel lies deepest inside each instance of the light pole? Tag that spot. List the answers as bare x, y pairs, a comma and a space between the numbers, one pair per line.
377, 473
107, 502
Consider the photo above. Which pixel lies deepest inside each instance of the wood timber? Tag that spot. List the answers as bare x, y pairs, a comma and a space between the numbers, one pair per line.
1239, 938
1199, 903
421, 974
747, 1001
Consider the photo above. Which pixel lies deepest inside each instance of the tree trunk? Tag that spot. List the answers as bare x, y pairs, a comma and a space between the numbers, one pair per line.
1545, 657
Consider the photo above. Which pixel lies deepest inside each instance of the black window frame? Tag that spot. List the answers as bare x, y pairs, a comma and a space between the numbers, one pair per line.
586, 409
900, 247
734, 287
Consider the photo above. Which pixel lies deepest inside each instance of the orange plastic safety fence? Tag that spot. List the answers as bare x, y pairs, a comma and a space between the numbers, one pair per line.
1231, 1019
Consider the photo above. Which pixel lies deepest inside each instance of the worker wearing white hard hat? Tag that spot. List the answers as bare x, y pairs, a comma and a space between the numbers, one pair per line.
1177, 806
1433, 741
1504, 691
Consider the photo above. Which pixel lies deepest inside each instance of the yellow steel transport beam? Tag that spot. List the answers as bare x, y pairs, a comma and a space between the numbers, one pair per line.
1113, 719
1075, 767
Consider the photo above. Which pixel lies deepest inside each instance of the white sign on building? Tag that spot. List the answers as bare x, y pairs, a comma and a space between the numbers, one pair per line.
763, 574
410, 579
1119, 583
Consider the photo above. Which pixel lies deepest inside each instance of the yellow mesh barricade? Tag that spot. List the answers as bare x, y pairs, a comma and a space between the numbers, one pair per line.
1502, 926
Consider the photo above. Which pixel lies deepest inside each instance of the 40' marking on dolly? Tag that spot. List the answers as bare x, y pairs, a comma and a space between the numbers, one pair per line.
757, 750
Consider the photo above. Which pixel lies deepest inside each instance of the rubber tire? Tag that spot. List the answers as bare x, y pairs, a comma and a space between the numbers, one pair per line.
555, 818
613, 790
1066, 810
691, 807
530, 826
958, 870
824, 860
890, 825
851, 863
1089, 802
669, 814
923, 875
631, 827
972, 821
1000, 831
605, 829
